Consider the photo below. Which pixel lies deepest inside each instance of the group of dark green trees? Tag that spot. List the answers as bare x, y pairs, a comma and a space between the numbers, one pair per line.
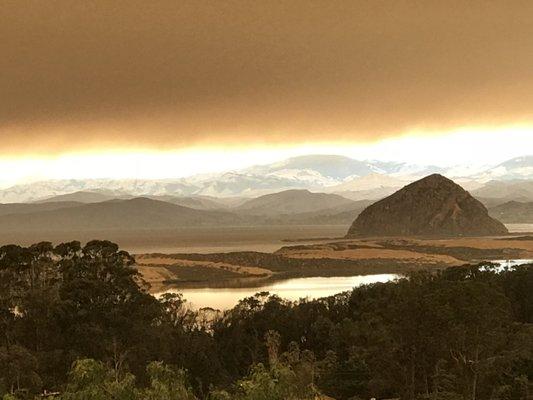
77, 323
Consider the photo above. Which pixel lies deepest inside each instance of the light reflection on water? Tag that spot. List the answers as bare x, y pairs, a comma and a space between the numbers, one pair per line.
290, 289
293, 289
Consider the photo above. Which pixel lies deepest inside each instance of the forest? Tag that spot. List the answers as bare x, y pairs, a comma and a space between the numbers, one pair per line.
77, 323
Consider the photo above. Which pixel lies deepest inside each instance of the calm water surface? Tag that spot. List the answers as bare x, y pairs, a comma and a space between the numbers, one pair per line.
291, 289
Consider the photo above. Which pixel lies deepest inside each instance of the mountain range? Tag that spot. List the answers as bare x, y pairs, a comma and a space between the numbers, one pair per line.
352, 179
137, 213
106, 209
63, 214
292, 207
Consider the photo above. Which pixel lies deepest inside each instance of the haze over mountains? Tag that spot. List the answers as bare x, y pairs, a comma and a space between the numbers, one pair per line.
293, 201
513, 212
309, 190
354, 179
137, 213
61, 214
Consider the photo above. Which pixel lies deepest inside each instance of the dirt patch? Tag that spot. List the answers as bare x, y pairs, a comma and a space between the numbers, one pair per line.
176, 262
377, 253
155, 276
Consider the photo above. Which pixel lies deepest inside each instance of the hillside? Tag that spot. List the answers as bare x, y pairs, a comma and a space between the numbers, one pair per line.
85, 197
196, 202
434, 205
292, 202
27, 208
513, 212
298, 207
342, 215
512, 190
137, 213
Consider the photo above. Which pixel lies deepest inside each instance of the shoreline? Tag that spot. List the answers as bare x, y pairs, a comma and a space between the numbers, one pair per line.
331, 258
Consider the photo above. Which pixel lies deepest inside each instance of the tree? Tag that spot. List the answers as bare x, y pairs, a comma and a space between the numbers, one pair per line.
91, 380
290, 376
167, 383
18, 370
105, 314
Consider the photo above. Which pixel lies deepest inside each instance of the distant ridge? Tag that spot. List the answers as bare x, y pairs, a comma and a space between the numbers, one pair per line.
132, 214
514, 189
82, 196
513, 212
293, 201
314, 172
27, 208
434, 205
351, 178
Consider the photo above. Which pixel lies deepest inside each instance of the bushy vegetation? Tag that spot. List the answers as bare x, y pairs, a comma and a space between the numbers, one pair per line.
77, 323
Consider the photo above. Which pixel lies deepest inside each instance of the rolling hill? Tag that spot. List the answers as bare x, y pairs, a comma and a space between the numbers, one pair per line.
85, 197
196, 202
28, 208
297, 207
503, 191
137, 213
342, 215
513, 212
293, 202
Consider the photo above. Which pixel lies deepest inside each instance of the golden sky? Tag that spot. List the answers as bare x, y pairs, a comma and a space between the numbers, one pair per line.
95, 76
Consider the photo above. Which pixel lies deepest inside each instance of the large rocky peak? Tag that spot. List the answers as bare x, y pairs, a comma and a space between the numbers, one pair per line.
434, 205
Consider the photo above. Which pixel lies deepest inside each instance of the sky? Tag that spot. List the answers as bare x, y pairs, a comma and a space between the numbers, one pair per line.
170, 88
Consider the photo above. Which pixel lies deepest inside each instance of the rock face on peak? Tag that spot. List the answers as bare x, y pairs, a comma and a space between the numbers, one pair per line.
434, 205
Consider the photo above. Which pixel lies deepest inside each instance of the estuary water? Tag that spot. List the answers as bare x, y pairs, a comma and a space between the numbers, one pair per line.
290, 289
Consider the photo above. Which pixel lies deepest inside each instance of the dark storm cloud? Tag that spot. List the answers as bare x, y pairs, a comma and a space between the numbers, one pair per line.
166, 73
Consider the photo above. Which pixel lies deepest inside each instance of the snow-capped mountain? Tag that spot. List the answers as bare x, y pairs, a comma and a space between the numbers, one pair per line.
368, 182
329, 166
246, 184
119, 187
515, 168
370, 187
339, 168
359, 179
308, 176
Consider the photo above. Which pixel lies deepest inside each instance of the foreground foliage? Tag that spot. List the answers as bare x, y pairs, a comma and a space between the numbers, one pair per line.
78, 322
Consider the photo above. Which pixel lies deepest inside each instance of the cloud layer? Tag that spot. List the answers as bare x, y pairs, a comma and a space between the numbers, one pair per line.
166, 73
